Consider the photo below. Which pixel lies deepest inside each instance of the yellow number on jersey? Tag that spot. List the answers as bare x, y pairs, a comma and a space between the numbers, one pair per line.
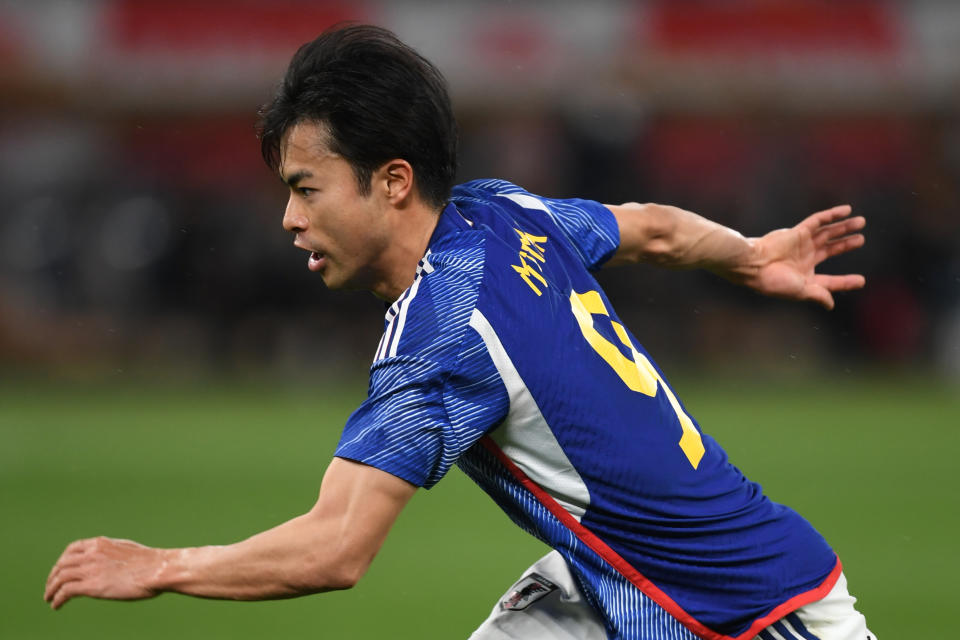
637, 373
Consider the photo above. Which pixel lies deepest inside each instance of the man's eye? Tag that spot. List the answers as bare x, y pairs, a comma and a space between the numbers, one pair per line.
305, 191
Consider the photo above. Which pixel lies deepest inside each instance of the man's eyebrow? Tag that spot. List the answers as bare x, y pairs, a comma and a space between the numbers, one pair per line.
293, 179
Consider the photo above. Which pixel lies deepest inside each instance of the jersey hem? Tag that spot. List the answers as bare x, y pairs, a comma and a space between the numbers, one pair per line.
640, 581
394, 471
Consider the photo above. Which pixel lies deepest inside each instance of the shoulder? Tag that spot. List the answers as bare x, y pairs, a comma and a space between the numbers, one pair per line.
431, 316
498, 192
500, 205
588, 226
485, 187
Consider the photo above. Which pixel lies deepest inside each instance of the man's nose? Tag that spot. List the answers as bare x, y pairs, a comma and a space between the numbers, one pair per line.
294, 219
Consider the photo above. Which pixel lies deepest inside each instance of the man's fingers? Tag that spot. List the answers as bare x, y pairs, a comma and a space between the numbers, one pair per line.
54, 573
68, 569
834, 230
822, 218
68, 591
62, 577
818, 294
57, 569
840, 283
821, 289
74, 550
836, 247
67, 585
72, 556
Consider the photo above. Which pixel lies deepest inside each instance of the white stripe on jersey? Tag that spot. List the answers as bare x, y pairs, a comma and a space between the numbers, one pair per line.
775, 635
789, 627
569, 217
388, 332
525, 201
526, 438
397, 313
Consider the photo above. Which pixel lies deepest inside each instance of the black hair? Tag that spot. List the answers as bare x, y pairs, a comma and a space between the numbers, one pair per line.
377, 98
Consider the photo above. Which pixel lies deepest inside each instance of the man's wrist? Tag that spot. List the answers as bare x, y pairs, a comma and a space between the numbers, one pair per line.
172, 570
742, 266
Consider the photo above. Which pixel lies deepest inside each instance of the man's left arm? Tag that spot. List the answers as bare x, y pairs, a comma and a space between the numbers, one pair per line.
781, 263
328, 548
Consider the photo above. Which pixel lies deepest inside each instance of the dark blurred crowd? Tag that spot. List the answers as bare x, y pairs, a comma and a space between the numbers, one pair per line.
163, 242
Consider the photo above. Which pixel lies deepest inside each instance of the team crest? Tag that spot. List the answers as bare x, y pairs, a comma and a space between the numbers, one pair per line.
527, 591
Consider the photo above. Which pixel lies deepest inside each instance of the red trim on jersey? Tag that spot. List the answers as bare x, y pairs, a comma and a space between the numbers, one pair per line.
627, 570
794, 603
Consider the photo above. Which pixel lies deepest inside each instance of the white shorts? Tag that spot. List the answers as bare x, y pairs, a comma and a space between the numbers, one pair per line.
547, 604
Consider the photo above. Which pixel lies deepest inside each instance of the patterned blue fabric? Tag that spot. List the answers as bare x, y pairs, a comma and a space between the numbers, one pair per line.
627, 613
433, 390
611, 437
588, 227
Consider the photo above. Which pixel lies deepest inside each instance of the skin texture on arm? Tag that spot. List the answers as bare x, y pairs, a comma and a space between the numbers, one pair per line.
328, 548
781, 263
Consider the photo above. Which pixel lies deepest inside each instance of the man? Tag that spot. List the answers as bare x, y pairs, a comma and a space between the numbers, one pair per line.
502, 354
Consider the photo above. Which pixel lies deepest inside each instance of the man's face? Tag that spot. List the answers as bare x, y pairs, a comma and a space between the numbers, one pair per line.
346, 232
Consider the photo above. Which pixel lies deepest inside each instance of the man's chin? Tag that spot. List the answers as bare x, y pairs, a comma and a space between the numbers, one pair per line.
338, 283
343, 282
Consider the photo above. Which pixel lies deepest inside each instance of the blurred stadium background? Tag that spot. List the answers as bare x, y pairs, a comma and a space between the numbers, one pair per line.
169, 370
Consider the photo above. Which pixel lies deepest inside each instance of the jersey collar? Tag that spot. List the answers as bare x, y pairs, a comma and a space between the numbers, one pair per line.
451, 221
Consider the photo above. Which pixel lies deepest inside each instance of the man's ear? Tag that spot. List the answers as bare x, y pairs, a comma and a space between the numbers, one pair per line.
396, 180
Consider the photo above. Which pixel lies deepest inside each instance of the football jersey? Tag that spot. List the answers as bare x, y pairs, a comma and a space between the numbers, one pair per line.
506, 357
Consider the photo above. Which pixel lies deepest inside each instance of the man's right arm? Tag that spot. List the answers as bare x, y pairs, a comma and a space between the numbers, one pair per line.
328, 548
781, 263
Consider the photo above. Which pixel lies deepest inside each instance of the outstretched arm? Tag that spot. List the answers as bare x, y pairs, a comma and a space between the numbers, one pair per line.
328, 548
781, 263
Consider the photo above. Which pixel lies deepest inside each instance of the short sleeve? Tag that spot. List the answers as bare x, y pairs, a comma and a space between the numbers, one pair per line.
589, 226
434, 391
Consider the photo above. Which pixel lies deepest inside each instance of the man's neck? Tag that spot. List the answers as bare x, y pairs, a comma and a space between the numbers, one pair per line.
414, 226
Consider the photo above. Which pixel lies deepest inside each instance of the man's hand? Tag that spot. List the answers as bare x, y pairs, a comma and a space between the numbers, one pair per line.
783, 262
104, 568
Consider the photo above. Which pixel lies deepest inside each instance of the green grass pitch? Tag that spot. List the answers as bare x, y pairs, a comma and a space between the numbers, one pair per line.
871, 464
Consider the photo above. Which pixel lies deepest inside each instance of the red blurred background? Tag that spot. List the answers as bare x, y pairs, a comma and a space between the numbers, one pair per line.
139, 229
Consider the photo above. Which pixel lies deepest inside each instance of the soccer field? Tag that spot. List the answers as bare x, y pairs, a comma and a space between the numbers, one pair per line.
869, 463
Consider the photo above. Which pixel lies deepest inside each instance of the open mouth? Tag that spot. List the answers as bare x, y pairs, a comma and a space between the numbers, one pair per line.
316, 261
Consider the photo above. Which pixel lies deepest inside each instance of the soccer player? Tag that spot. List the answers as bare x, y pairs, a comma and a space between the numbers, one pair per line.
502, 354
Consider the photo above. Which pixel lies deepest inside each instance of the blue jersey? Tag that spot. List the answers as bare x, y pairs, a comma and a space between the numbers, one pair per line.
507, 358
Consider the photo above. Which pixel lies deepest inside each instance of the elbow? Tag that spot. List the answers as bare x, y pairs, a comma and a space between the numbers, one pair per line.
319, 576
346, 576
647, 233
659, 233
662, 253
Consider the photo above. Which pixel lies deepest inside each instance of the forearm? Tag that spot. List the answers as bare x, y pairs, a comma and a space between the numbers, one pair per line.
290, 560
328, 548
674, 238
